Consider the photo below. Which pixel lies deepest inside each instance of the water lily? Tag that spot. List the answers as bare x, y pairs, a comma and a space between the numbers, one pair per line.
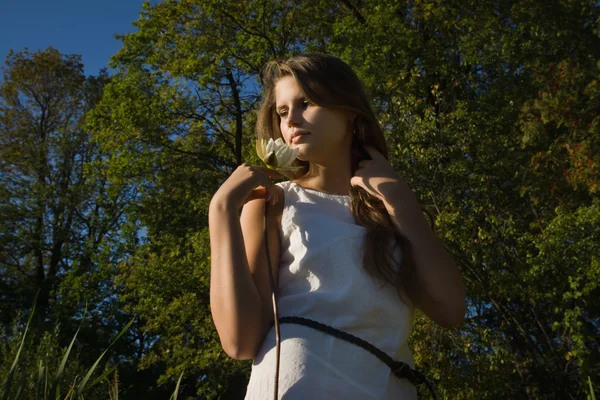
277, 155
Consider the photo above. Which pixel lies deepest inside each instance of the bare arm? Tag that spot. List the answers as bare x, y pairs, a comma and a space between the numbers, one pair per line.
234, 300
436, 268
240, 293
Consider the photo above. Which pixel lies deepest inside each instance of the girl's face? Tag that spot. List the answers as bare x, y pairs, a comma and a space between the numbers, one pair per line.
329, 135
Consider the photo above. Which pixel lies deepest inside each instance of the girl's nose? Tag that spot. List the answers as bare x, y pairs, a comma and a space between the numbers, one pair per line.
294, 117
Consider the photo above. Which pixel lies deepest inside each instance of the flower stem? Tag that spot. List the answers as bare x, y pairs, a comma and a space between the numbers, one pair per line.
274, 297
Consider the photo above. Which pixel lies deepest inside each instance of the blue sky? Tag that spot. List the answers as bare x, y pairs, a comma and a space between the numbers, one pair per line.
71, 26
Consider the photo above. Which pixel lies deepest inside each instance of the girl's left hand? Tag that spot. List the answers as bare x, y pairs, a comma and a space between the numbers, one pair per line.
376, 176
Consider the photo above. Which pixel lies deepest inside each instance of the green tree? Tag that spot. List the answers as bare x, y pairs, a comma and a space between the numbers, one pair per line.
491, 113
60, 224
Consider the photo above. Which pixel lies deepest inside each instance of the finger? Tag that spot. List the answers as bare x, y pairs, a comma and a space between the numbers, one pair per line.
265, 182
271, 173
355, 181
269, 192
258, 193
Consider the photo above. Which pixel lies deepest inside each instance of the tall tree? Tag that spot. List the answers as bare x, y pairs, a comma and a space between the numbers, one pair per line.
491, 113
60, 223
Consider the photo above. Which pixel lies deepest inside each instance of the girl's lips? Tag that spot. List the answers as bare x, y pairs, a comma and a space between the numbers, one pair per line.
299, 138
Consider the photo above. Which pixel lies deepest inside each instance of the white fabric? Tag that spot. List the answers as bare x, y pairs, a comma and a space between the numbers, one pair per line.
321, 277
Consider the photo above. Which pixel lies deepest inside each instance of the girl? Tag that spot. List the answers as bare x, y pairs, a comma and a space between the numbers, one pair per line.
352, 247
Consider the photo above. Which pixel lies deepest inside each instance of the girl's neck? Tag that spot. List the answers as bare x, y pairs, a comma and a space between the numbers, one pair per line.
330, 179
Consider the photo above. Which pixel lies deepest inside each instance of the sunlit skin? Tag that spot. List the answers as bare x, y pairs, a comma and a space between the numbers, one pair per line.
327, 148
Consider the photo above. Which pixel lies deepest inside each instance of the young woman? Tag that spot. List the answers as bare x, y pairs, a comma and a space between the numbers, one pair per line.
348, 242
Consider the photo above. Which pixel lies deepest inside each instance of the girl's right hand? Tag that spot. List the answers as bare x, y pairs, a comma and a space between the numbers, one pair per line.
248, 182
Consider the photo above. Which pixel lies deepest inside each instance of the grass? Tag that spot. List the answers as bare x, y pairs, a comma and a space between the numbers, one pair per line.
49, 387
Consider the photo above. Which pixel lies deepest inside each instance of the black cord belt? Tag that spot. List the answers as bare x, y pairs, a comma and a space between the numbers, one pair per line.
399, 368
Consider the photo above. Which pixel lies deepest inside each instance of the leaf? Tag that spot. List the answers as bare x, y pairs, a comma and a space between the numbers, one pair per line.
13, 368
82, 385
54, 385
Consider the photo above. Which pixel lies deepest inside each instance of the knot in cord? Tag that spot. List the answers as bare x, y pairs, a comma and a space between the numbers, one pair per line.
403, 370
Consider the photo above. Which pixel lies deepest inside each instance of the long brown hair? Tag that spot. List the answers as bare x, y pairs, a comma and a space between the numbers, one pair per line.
329, 82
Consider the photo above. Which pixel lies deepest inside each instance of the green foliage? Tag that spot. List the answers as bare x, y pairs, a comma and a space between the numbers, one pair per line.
35, 368
61, 224
13, 367
491, 111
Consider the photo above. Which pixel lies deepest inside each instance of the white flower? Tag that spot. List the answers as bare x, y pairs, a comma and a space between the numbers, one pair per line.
277, 154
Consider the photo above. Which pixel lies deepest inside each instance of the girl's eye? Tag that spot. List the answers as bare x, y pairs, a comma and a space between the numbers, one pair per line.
305, 104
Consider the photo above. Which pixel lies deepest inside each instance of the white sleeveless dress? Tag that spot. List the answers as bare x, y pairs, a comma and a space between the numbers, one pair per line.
321, 277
